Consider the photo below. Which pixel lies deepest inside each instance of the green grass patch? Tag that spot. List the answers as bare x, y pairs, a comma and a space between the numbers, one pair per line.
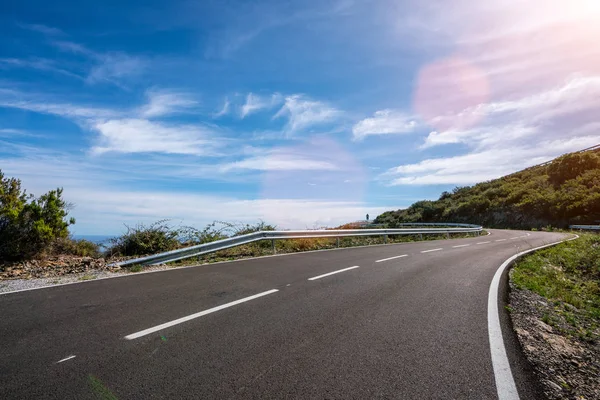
136, 268
568, 275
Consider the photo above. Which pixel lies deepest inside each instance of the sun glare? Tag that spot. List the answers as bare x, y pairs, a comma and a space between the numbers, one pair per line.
589, 6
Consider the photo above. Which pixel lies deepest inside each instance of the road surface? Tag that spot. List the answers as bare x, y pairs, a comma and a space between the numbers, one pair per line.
404, 321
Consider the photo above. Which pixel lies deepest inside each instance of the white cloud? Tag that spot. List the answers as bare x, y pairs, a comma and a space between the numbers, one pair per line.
143, 136
255, 103
280, 162
385, 122
76, 48
124, 132
8, 132
224, 110
110, 67
485, 164
167, 102
46, 30
40, 64
521, 85
520, 46
511, 135
303, 113
113, 67
98, 211
66, 110
554, 112
104, 200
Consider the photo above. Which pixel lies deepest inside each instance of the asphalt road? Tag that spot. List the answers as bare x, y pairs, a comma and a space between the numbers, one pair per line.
410, 327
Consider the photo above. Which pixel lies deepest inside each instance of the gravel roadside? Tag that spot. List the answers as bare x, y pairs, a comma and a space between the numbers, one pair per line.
567, 365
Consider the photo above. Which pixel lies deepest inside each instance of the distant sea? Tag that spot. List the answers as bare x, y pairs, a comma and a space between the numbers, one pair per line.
99, 239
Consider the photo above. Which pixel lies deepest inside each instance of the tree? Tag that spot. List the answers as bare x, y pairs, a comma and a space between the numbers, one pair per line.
28, 225
570, 166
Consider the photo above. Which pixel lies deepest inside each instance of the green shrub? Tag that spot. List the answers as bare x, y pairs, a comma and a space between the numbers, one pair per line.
145, 239
29, 225
75, 247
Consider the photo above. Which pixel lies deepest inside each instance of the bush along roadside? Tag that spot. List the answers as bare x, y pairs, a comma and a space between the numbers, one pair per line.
68, 256
555, 309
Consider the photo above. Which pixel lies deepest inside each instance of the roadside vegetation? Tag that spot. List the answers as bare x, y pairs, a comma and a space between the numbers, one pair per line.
34, 227
568, 275
35, 239
555, 310
561, 193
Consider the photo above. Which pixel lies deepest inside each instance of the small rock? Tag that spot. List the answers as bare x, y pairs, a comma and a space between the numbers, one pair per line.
554, 386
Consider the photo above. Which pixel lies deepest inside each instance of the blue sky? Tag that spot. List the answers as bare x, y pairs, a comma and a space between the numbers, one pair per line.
299, 113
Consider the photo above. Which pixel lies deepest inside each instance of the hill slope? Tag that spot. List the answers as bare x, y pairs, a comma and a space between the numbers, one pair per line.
562, 192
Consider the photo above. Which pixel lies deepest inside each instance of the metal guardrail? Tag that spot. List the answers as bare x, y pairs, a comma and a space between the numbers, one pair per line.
451, 224
585, 227
223, 244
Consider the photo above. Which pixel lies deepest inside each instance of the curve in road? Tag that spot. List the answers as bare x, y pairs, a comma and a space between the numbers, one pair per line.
396, 321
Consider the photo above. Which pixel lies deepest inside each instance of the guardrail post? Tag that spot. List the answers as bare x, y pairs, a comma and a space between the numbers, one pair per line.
420, 236
385, 239
273, 246
337, 242
447, 235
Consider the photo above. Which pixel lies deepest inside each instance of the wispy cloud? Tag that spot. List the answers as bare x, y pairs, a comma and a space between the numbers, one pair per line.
303, 113
75, 48
38, 64
110, 67
280, 162
553, 112
385, 122
104, 200
67, 110
124, 131
167, 102
255, 103
115, 66
46, 30
245, 22
483, 165
143, 136
16, 133
224, 110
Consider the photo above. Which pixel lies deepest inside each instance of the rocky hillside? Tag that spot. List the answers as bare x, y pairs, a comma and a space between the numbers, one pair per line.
559, 193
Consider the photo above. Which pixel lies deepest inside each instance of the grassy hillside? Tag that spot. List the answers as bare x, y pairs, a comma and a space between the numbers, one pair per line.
563, 192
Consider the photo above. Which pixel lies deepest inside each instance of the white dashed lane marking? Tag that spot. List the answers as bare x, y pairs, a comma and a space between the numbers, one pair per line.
331, 273
429, 251
196, 315
392, 258
65, 359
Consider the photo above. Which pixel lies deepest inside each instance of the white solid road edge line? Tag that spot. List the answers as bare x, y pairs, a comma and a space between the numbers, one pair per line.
429, 251
505, 383
193, 316
462, 245
331, 273
392, 258
65, 359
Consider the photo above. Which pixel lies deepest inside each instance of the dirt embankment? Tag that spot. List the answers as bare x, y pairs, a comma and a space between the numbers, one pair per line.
567, 365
